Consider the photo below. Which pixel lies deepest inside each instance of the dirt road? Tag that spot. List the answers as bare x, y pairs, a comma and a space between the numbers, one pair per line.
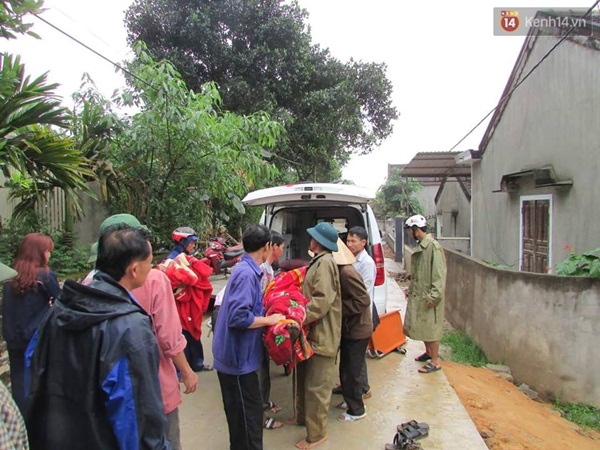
508, 419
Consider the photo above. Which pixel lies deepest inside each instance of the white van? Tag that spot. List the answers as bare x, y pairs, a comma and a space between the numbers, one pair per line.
293, 208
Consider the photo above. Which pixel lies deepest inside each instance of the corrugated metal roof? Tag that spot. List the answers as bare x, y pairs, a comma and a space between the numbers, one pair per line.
436, 165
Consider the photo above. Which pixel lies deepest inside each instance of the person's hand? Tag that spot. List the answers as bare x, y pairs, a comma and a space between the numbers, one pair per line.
275, 318
190, 381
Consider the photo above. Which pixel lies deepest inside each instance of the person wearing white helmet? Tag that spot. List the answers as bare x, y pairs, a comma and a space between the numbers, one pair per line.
424, 319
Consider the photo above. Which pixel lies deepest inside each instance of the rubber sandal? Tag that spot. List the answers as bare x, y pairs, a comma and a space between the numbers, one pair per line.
423, 358
429, 368
342, 405
345, 417
413, 429
271, 424
205, 368
403, 443
272, 406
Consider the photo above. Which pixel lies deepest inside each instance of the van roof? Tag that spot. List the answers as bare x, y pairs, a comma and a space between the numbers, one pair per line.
344, 193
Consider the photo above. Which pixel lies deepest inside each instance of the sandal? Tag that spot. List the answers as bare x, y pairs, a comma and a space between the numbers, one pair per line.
413, 429
271, 424
272, 406
403, 443
204, 368
423, 358
429, 368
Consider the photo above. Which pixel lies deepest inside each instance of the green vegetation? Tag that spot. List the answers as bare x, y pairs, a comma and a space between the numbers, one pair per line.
397, 196
66, 261
496, 265
464, 349
586, 416
261, 55
585, 264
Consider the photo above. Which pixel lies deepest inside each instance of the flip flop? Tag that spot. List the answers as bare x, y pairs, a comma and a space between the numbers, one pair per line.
206, 368
272, 406
423, 358
429, 368
271, 424
413, 429
403, 443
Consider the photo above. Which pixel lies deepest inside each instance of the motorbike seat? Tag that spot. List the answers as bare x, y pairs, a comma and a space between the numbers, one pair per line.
232, 254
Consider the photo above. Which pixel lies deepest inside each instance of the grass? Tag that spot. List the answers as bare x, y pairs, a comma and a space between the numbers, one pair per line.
585, 416
464, 349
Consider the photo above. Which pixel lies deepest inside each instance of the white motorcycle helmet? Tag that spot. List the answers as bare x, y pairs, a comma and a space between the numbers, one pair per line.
417, 220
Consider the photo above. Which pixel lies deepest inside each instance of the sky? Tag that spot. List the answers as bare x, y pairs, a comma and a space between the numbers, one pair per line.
447, 68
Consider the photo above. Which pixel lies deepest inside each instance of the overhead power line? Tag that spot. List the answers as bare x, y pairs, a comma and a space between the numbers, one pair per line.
524, 78
97, 53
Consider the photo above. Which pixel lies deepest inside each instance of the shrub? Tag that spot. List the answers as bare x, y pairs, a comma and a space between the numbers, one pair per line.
585, 264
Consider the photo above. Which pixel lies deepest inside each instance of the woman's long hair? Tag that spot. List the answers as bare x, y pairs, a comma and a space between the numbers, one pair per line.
30, 258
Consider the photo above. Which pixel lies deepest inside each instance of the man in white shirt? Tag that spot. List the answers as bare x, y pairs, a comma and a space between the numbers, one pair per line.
356, 242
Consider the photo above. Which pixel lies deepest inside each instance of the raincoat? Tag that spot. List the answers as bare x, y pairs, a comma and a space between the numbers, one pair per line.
428, 271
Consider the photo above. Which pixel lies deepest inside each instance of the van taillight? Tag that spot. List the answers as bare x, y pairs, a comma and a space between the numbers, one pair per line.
379, 264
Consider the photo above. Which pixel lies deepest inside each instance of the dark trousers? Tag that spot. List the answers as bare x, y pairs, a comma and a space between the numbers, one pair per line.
352, 359
264, 379
364, 376
243, 409
16, 360
194, 353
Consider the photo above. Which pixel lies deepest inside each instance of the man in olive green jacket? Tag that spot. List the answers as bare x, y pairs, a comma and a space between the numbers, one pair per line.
324, 319
424, 319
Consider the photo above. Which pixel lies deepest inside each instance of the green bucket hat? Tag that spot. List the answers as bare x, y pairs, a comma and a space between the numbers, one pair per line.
6, 273
116, 219
325, 234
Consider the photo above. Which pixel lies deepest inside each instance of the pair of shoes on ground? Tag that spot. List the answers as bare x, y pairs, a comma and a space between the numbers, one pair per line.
203, 368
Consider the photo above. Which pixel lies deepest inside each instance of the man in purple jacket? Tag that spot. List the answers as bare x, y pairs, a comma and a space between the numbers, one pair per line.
237, 345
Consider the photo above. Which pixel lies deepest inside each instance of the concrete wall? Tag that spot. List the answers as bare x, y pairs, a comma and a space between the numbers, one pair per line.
545, 327
454, 211
426, 195
551, 119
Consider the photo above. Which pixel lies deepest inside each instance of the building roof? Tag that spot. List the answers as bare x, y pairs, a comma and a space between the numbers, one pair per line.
436, 166
591, 40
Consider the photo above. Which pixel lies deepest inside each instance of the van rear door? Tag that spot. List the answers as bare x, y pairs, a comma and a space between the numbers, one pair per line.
312, 192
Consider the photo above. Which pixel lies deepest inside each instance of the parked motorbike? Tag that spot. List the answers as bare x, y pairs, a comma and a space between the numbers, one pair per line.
221, 256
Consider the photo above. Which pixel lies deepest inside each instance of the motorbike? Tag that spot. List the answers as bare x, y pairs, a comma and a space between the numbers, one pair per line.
221, 256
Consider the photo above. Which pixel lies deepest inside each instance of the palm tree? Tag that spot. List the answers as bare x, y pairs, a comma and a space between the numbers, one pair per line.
33, 157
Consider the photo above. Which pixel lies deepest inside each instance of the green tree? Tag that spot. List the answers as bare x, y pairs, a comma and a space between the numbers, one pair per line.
33, 157
12, 15
259, 53
396, 196
180, 155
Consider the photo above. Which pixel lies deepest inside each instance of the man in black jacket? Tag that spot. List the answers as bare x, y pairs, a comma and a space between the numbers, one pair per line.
93, 363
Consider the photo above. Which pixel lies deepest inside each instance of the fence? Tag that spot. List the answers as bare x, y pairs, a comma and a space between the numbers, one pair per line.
544, 327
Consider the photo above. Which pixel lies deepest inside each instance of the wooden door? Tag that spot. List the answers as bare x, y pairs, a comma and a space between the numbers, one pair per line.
536, 238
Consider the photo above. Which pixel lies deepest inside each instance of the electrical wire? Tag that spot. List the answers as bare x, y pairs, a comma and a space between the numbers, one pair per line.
524, 78
118, 66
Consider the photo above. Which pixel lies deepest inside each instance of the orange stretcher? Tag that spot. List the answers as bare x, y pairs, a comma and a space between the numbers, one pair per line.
388, 336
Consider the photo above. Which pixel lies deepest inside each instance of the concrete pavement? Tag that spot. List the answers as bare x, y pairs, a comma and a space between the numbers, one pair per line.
400, 394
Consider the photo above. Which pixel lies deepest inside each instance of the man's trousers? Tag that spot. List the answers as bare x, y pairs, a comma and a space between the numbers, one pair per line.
314, 378
243, 409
